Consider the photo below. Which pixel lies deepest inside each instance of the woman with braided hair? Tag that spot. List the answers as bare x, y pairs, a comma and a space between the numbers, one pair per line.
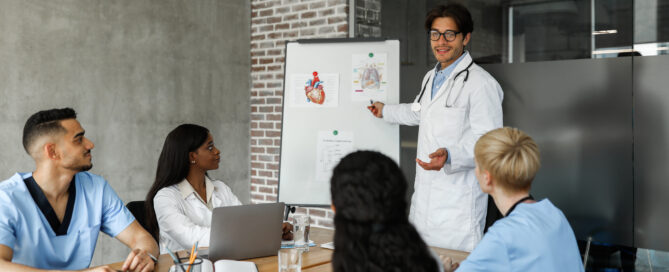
372, 230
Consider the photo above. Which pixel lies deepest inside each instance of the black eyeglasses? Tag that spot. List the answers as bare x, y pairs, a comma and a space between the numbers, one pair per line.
449, 35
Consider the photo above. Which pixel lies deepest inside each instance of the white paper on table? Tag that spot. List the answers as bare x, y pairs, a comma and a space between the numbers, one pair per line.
237, 266
332, 145
369, 80
298, 98
328, 245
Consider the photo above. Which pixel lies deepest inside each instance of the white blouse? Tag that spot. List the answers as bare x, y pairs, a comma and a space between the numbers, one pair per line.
184, 218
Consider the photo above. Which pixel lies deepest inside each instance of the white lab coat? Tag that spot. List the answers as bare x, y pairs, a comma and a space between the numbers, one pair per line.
448, 207
184, 218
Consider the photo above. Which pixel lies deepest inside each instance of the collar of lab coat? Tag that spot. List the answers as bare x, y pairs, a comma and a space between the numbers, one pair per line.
186, 189
466, 60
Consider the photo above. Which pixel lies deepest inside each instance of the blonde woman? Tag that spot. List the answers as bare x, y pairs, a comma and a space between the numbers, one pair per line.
533, 235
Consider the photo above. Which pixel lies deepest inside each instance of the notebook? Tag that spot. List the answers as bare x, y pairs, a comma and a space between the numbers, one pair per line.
234, 266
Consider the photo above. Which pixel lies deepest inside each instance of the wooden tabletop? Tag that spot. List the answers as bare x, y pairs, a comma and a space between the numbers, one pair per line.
317, 256
316, 260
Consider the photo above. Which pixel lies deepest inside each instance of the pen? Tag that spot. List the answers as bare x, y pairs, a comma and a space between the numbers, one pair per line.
176, 260
372, 108
196, 249
174, 257
153, 257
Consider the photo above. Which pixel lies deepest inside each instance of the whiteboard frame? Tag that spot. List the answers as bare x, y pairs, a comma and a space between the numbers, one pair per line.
343, 85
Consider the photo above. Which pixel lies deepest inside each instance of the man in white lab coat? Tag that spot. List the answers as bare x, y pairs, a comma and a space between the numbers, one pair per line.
458, 102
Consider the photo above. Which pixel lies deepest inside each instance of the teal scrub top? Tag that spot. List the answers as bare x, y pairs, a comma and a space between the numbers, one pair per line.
25, 229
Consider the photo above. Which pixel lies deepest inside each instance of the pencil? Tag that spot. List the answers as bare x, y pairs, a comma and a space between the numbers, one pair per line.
192, 259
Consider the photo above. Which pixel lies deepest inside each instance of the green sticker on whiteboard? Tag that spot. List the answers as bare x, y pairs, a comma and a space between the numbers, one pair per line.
371, 55
335, 132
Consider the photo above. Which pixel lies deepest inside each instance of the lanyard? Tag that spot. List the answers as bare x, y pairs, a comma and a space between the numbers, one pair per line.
516, 204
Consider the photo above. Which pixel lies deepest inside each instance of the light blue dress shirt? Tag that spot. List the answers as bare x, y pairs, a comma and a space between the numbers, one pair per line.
440, 75
534, 237
24, 228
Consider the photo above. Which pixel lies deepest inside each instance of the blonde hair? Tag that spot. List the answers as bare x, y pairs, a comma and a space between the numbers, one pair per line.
511, 157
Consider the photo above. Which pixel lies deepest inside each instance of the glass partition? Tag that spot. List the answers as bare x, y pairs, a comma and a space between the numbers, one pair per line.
599, 66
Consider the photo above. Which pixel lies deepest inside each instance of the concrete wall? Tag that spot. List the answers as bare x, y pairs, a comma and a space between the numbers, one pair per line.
133, 70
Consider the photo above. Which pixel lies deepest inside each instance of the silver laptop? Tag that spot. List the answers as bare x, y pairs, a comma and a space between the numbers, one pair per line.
247, 231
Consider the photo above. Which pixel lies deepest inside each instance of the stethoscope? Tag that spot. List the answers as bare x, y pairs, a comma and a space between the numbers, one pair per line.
416, 104
518, 202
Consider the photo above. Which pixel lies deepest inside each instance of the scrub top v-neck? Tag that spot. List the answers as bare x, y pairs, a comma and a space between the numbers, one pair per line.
38, 242
58, 227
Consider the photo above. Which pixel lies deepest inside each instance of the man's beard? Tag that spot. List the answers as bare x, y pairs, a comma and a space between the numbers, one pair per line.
81, 168
85, 167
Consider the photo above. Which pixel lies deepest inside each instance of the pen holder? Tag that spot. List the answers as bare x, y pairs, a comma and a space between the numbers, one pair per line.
196, 266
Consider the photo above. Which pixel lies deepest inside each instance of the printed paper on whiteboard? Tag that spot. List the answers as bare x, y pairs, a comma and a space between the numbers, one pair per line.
332, 145
369, 80
314, 90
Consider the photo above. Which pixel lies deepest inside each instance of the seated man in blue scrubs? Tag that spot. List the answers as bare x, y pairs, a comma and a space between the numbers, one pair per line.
532, 236
51, 218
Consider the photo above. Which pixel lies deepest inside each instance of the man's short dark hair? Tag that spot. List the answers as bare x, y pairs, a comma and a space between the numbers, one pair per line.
460, 14
44, 123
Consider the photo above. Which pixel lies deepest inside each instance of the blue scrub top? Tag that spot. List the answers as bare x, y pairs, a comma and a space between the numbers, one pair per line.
534, 237
26, 230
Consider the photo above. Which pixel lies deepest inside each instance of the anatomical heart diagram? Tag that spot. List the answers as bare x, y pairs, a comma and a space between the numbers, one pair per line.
313, 89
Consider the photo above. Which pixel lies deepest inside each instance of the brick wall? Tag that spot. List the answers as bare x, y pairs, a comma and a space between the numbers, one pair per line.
368, 18
273, 22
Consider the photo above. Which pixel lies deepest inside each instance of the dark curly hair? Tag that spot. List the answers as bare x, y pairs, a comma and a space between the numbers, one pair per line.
372, 230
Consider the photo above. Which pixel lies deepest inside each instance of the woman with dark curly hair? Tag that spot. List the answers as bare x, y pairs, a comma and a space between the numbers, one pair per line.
372, 230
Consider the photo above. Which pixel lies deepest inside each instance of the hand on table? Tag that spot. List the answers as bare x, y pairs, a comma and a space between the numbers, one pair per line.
103, 268
138, 261
449, 266
287, 231
437, 160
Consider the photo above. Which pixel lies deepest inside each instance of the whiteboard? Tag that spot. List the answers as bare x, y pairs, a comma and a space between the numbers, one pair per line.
314, 136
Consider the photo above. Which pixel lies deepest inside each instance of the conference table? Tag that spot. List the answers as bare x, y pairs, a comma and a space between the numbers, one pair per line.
318, 259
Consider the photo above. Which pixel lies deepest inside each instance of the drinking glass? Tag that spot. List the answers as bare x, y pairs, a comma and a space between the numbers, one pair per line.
290, 260
301, 232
